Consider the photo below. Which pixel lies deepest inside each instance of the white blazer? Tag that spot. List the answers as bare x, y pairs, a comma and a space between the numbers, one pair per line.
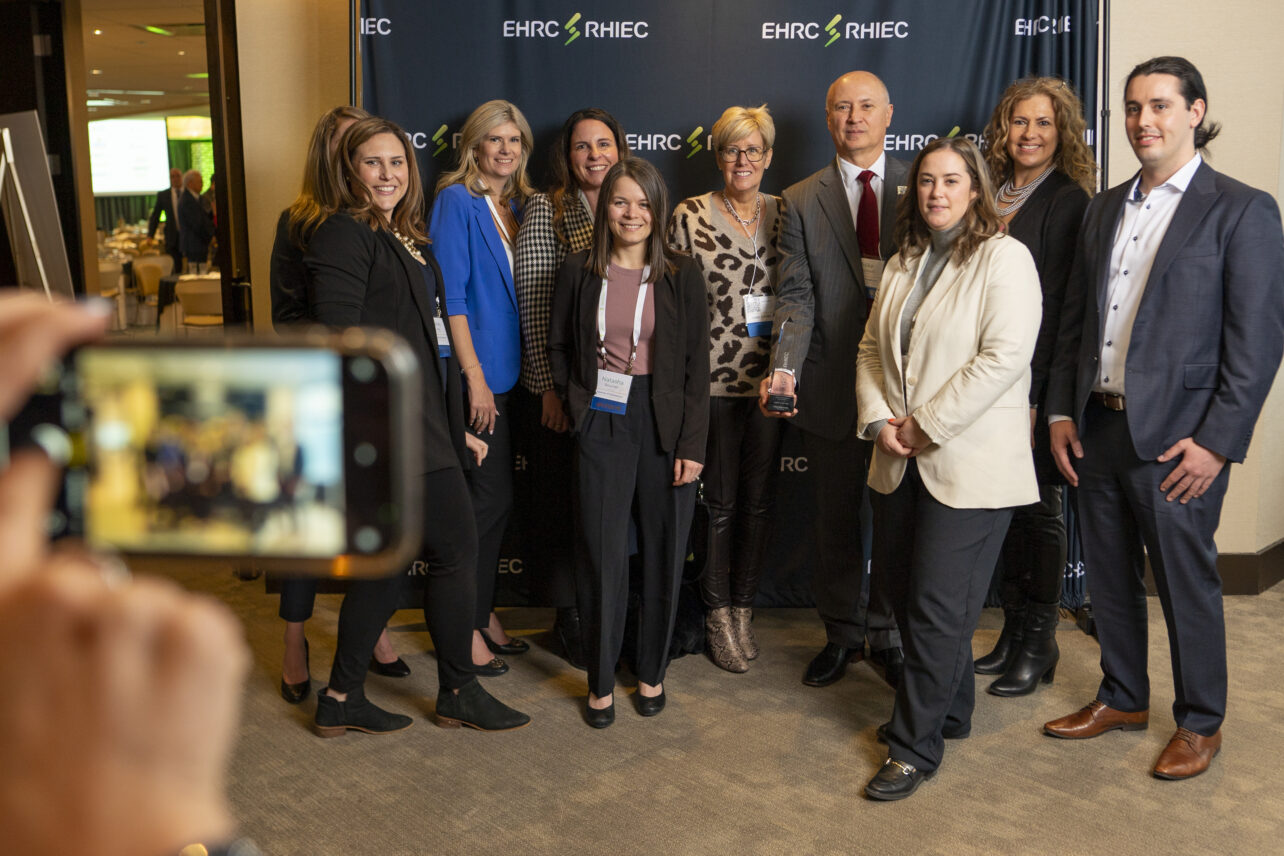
965, 378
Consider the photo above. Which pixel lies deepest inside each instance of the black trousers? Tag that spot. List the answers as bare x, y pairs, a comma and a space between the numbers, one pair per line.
1034, 553
938, 561
852, 604
620, 468
741, 457
450, 561
298, 595
1122, 509
543, 505
491, 488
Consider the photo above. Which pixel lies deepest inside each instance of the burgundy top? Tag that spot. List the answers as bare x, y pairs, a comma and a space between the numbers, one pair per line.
621, 304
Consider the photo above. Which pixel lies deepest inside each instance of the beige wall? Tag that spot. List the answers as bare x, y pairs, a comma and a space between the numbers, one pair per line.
294, 67
1235, 45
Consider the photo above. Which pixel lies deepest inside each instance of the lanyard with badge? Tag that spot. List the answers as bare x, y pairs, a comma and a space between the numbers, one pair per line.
439, 325
612, 395
760, 309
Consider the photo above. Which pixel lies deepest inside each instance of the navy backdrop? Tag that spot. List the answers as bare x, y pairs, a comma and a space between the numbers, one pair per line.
668, 69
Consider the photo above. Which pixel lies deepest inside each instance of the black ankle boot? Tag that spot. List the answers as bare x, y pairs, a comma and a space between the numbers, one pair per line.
476, 708
566, 627
997, 661
357, 713
1036, 658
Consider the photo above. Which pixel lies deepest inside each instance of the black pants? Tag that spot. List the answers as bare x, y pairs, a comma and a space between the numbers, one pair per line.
620, 468
938, 562
298, 595
450, 561
741, 461
1034, 553
1122, 509
852, 604
547, 525
491, 488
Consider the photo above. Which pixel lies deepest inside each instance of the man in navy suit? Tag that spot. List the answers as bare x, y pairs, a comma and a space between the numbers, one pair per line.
196, 226
1171, 335
167, 204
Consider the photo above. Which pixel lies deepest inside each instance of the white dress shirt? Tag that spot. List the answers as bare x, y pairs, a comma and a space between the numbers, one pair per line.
851, 183
1141, 229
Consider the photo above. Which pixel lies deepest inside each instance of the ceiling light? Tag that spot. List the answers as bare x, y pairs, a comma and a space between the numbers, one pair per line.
198, 75
95, 71
182, 53
98, 32
158, 31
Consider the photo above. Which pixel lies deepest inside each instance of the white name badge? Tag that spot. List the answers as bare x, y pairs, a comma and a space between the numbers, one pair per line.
443, 342
612, 394
873, 272
759, 311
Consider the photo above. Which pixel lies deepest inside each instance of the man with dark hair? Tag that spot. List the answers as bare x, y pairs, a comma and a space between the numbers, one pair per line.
167, 204
1170, 337
835, 233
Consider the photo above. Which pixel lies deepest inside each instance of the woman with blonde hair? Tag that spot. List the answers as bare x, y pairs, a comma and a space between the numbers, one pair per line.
732, 234
474, 232
942, 381
1044, 173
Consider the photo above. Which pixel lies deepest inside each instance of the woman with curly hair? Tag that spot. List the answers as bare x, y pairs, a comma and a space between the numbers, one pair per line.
1044, 173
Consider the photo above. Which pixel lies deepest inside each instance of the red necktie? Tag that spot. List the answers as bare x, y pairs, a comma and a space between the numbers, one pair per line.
867, 217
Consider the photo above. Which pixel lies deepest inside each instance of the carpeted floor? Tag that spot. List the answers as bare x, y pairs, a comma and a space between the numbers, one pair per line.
745, 764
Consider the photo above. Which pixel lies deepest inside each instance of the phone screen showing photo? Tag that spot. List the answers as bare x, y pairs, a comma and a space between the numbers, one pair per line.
207, 451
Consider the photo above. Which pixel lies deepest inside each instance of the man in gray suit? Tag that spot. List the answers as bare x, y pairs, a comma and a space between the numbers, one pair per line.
1171, 334
835, 234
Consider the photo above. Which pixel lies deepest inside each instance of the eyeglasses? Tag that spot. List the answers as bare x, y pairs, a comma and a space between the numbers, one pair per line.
731, 154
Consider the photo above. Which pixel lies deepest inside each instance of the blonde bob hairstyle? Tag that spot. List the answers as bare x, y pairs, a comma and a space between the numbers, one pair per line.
408, 217
736, 123
481, 122
912, 234
1073, 157
319, 196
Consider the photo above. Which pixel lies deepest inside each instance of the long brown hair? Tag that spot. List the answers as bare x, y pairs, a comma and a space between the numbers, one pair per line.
1073, 157
912, 234
319, 195
658, 255
408, 217
479, 123
564, 184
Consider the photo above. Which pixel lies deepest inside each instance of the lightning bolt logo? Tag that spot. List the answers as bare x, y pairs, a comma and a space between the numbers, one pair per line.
440, 139
833, 32
570, 27
694, 141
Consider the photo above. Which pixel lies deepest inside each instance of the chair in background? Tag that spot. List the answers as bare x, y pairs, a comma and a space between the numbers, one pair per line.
111, 288
201, 304
148, 276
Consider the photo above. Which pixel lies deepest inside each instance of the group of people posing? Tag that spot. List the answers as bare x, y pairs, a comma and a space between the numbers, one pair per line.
965, 334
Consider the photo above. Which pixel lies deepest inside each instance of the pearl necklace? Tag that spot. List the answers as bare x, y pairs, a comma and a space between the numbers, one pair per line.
1009, 199
410, 247
757, 210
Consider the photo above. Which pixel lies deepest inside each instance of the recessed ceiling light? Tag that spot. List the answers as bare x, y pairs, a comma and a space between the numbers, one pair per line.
95, 71
199, 75
98, 32
182, 53
159, 31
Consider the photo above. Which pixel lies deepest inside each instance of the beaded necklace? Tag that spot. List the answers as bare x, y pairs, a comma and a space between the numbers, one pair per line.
1009, 199
410, 246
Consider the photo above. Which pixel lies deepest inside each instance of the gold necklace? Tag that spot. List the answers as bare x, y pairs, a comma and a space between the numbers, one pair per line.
410, 246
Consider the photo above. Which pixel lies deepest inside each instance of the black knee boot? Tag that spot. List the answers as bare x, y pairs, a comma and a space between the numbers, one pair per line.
1036, 656
997, 661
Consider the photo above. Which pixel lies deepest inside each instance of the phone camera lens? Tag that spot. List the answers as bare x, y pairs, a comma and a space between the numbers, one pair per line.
362, 369
365, 454
367, 540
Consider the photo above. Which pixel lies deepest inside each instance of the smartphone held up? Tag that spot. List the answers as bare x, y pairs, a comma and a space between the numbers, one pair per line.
300, 453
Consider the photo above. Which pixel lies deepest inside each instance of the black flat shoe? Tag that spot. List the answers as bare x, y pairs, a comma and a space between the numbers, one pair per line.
356, 713
296, 693
649, 705
512, 646
895, 781
396, 669
474, 707
599, 718
492, 669
830, 664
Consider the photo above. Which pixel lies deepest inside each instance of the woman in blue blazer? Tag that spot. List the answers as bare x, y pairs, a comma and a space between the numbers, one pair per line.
474, 230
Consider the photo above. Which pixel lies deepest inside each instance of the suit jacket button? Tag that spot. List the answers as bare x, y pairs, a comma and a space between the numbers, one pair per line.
911, 380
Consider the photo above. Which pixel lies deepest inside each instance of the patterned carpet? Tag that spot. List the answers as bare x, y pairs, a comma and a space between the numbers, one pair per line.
745, 764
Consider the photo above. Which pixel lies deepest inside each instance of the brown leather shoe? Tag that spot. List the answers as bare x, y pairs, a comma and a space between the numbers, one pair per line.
1187, 754
1095, 719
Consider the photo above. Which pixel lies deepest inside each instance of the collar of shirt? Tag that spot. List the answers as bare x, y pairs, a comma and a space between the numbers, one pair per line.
851, 173
1178, 181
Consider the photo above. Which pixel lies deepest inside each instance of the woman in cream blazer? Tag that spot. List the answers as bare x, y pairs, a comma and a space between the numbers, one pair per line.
943, 380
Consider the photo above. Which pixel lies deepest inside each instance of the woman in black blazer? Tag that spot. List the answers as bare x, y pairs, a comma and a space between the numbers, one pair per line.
628, 347
368, 265
1044, 173
289, 279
